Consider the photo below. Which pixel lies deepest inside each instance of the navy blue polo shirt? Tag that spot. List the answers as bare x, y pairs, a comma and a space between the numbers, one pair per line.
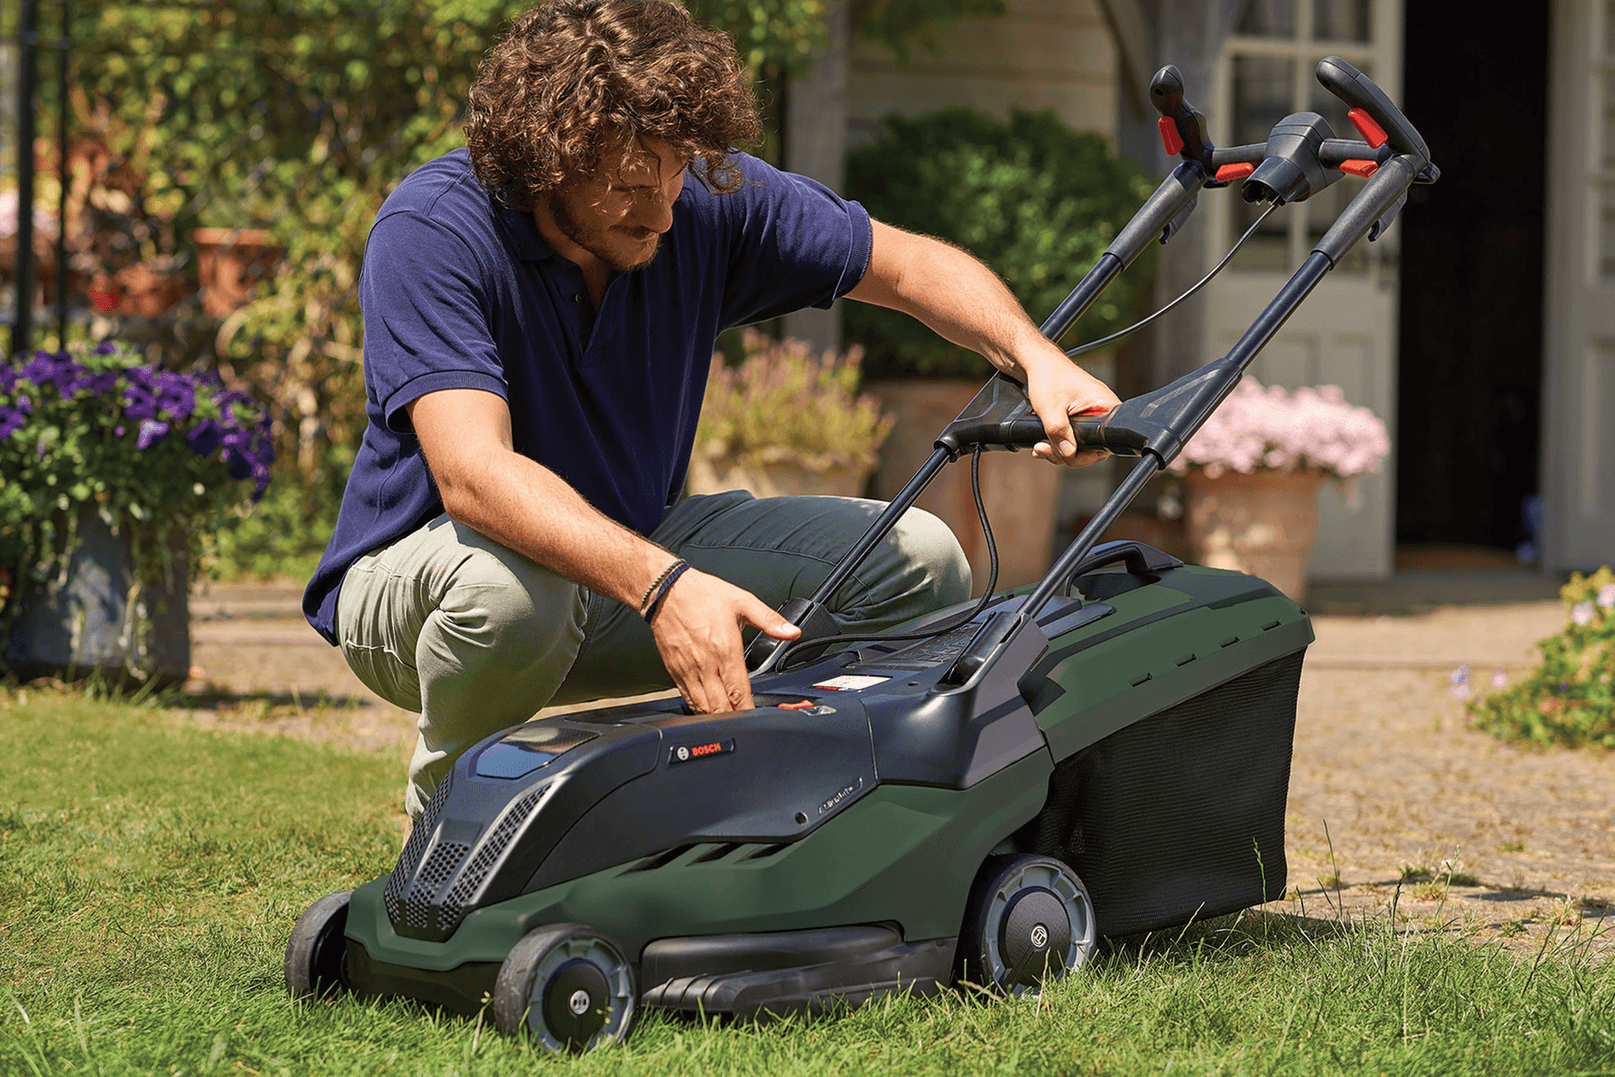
459, 292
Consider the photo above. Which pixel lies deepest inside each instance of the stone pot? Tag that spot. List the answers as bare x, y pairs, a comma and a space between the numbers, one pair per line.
1262, 523
714, 474
1020, 492
93, 618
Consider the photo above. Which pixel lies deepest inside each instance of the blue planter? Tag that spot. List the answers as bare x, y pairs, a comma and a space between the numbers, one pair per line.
93, 618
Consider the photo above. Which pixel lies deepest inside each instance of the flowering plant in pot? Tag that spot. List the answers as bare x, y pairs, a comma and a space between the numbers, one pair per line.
786, 421
1254, 469
114, 471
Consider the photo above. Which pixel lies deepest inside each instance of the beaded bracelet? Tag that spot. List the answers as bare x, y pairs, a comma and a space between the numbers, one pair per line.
661, 593
657, 582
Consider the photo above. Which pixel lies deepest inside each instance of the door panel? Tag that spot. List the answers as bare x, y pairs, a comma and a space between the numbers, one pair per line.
1578, 447
1346, 333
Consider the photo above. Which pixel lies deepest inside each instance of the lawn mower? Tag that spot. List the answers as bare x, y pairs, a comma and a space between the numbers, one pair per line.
978, 796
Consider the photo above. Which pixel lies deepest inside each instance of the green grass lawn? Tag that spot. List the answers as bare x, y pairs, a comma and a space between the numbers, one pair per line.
150, 872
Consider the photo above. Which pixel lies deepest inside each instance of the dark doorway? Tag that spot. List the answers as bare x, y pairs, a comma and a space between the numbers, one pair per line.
1470, 332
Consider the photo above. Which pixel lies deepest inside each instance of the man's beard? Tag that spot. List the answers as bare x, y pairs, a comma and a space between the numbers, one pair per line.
596, 240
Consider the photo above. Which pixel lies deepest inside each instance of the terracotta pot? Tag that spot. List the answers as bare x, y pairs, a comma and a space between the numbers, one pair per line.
714, 474
1021, 493
1263, 523
230, 262
145, 290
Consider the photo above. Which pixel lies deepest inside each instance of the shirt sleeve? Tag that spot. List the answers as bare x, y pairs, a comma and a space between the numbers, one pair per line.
794, 243
427, 304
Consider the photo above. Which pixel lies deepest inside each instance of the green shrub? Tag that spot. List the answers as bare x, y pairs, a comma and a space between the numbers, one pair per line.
1569, 699
1035, 200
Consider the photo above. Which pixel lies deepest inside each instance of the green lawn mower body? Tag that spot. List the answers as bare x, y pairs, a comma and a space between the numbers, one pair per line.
790, 857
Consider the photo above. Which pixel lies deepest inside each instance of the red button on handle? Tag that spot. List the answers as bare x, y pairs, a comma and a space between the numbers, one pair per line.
806, 704
1371, 131
1169, 136
1237, 170
1359, 168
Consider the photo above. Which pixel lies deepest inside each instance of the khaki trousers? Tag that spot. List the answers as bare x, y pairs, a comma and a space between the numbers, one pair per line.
478, 638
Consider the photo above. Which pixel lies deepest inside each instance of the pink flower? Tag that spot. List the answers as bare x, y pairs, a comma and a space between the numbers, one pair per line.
1257, 427
1460, 682
1499, 680
1606, 596
1582, 614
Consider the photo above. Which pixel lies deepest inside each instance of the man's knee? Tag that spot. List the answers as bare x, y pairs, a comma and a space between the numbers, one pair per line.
503, 616
927, 543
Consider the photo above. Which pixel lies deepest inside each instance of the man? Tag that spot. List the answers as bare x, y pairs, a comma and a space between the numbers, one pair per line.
540, 313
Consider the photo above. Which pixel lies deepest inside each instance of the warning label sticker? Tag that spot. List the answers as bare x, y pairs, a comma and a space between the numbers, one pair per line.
851, 682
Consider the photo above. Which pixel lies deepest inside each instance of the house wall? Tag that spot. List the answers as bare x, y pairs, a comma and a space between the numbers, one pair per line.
1044, 54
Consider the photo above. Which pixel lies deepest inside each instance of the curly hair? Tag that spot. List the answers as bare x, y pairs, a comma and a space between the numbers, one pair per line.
573, 78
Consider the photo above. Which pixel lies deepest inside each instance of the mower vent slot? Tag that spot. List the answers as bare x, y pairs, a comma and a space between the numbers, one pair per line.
398, 882
662, 859
765, 851
717, 852
452, 909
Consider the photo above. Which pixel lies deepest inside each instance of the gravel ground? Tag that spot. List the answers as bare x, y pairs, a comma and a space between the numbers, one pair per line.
1389, 788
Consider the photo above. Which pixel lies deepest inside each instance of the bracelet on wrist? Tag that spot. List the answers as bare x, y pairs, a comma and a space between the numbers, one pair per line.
644, 600
661, 592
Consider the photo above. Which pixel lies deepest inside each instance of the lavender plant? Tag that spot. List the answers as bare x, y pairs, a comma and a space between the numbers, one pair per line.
783, 403
1569, 699
158, 454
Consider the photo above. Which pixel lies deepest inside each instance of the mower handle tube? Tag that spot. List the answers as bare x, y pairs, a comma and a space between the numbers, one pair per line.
1168, 417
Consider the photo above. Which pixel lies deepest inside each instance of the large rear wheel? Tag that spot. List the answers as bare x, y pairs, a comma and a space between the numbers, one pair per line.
1029, 921
567, 988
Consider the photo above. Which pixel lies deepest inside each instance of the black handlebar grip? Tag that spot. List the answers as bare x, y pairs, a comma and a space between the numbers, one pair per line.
1166, 94
1090, 432
1358, 91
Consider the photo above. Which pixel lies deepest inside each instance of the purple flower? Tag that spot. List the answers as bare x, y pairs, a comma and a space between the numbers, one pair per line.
8, 378
118, 431
106, 347
151, 432
11, 420
205, 438
1460, 682
1582, 614
238, 462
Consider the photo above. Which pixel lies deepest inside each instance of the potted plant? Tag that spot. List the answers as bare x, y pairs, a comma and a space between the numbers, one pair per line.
114, 470
1253, 472
1039, 203
785, 421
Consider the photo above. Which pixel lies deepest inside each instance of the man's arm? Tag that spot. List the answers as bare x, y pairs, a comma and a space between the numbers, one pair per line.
964, 302
488, 486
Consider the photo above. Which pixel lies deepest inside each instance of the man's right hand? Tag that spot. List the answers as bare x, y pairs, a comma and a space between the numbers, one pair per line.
697, 630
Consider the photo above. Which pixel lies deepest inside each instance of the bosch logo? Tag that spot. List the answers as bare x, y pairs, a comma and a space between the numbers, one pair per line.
578, 1003
684, 753
1040, 936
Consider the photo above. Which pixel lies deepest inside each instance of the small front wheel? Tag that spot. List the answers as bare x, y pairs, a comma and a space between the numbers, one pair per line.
318, 947
1029, 921
567, 988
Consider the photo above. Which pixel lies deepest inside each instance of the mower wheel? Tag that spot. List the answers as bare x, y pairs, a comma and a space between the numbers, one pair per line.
315, 952
567, 988
1029, 921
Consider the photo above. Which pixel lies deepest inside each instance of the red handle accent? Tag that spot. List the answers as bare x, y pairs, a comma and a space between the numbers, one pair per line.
1169, 136
806, 704
1372, 132
1237, 170
1359, 168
